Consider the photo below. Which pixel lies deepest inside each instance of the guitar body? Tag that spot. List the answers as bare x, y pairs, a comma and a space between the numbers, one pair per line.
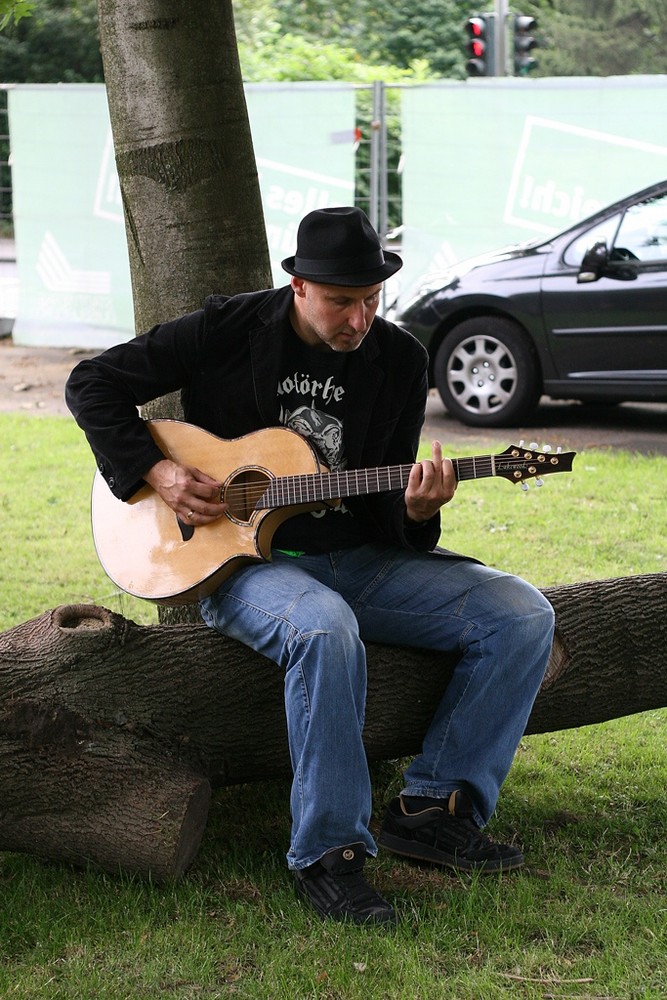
149, 552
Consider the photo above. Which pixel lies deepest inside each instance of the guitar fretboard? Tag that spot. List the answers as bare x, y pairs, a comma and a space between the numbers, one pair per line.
288, 490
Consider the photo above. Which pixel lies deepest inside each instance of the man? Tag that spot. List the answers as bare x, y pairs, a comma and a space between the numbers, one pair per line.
314, 356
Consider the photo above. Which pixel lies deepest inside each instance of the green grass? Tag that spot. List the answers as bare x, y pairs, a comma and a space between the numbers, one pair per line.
607, 518
48, 556
587, 918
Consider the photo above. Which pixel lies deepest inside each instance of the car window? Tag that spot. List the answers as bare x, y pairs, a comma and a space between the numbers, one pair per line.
604, 232
642, 234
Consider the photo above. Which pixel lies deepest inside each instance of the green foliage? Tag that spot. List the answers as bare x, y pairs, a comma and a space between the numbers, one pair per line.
353, 40
288, 57
59, 43
577, 37
276, 54
607, 38
14, 10
394, 32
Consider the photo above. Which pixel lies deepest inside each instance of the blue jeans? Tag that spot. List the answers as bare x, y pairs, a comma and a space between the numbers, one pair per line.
311, 615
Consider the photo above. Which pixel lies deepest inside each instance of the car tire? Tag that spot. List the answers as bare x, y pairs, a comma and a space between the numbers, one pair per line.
487, 372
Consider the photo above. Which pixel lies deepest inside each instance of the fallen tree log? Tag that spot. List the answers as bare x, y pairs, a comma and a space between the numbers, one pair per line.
111, 733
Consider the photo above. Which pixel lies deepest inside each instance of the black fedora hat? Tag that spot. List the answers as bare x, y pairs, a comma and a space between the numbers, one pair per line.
338, 246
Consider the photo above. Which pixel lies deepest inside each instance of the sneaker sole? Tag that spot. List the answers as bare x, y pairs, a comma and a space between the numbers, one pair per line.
422, 852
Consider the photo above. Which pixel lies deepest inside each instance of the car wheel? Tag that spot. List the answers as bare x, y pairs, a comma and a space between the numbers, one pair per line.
487, 373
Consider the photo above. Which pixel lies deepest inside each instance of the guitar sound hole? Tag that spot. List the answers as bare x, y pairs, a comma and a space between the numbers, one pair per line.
243, 491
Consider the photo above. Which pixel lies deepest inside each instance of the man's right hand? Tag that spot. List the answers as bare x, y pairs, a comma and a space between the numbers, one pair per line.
191, 494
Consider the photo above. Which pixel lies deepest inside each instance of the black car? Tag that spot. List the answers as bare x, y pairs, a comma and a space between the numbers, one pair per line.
582, 315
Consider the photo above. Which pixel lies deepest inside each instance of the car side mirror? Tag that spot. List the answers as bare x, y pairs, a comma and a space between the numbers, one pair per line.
594, 263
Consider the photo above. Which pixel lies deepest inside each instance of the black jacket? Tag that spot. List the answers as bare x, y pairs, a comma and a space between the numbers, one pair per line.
225, 359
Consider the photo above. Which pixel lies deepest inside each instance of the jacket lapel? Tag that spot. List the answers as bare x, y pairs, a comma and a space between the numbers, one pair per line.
267, 340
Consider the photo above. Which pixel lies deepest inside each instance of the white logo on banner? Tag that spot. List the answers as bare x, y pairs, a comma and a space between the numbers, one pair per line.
108, 202
542, 195
58, 274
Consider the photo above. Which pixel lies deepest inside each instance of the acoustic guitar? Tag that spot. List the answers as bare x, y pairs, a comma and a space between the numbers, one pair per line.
266, 476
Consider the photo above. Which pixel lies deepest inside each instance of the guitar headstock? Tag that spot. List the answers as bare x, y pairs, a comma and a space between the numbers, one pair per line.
518, 463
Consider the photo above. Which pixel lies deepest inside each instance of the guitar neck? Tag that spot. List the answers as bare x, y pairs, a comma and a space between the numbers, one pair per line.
315, 487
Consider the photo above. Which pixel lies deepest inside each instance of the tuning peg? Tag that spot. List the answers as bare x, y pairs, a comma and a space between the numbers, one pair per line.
521, 443
559, 450
539, 482
533, 446
546, 448
524, 487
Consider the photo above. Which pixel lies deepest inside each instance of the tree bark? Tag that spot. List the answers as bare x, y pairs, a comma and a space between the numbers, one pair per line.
186, 164
111, 733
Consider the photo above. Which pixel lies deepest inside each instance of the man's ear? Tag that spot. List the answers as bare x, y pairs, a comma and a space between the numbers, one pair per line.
298, 286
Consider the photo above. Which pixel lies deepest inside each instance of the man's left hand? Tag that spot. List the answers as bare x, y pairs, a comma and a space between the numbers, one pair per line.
432, 484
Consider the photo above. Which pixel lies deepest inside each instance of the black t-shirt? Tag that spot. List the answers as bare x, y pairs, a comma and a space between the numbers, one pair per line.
311, 394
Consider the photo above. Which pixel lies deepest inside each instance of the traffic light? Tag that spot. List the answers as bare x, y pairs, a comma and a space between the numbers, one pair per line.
480, 46
524, 43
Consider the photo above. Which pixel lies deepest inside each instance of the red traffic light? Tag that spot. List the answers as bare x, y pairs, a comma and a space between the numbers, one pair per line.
480, 32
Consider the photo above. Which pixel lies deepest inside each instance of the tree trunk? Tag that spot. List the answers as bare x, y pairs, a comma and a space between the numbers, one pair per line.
184, 152
186, 164
111, 733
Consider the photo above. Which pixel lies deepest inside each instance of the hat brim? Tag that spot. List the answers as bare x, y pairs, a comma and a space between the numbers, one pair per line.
354, 279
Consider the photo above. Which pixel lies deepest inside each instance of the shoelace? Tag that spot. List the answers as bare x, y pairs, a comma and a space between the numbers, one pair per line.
476, 840
359, 890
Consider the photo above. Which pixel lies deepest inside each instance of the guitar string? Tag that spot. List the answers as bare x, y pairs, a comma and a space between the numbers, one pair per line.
345, 476
306, 481
303, 481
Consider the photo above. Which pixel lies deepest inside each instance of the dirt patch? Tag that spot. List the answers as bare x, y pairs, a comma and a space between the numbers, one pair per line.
33, 378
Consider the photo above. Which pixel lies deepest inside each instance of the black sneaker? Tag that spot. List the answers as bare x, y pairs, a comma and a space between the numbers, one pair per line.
445, 835
336, 889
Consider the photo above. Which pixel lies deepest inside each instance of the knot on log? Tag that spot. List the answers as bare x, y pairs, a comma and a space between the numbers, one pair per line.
82, 616
89, 625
